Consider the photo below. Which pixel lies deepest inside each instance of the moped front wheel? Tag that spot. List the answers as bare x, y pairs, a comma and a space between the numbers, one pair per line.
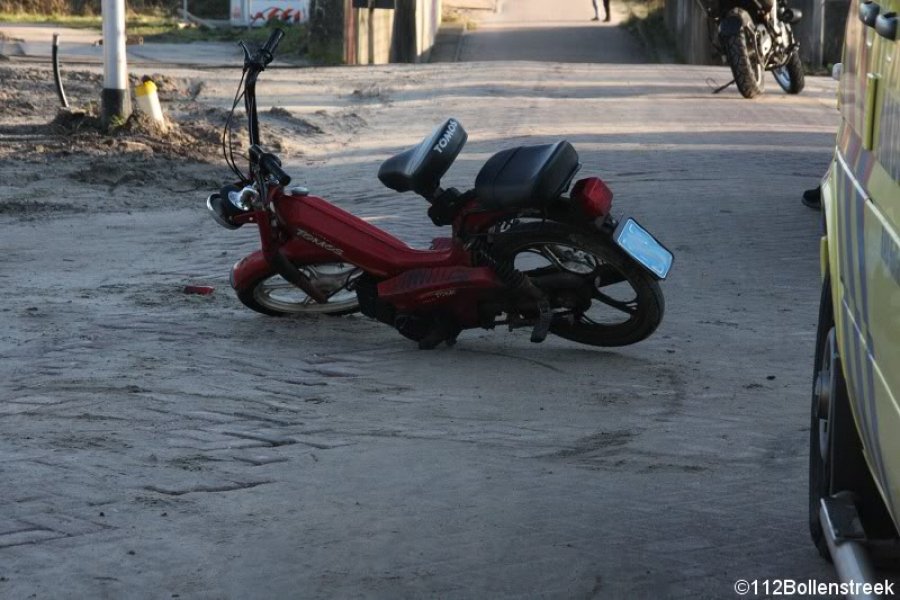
615, 302
272, 295
749, 75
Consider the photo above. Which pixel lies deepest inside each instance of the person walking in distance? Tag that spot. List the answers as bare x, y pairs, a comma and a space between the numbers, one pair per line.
597, 11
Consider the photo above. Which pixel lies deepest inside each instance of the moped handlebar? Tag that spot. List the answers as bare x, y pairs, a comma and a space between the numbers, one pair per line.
272, 42
269, 163
261, 162
262, 57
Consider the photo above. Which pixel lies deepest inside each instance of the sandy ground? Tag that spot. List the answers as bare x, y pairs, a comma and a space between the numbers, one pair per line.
155, 444
157, 441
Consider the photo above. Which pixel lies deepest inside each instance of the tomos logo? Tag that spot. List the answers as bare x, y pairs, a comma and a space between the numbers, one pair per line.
445, 139
318, 242
435, 296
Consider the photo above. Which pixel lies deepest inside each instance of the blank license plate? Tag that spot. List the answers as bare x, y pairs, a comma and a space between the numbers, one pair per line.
640, 245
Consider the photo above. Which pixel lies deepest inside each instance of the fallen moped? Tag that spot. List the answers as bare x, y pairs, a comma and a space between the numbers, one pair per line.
521, 252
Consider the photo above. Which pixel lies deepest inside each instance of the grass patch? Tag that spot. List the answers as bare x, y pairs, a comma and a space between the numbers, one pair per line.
74, 21
210, 9
159, 27
453, 16
294, 43
646, 21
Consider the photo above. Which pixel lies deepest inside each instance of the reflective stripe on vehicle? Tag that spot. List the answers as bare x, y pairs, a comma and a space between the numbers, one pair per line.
859, 361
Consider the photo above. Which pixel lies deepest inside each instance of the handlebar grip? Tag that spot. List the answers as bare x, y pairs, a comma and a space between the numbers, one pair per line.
273, 41
271, 165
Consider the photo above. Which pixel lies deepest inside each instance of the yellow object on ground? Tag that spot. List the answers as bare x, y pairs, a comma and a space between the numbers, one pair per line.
148, 100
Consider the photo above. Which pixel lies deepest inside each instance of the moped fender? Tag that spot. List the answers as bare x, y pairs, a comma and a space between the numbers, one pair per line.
255, 266
733, 22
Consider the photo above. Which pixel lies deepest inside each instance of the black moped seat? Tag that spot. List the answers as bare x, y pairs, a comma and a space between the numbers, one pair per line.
420, 168
526, 176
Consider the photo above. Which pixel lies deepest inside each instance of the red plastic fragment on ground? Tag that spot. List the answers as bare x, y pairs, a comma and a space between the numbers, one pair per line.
203, 290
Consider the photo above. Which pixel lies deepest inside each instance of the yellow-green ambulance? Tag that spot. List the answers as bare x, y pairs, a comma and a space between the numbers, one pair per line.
855, 425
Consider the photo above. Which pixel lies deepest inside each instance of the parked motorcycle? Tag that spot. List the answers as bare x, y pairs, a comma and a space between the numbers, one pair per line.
755, 36
521, 253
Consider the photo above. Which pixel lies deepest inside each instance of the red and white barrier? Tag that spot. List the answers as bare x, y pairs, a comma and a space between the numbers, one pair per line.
246, 13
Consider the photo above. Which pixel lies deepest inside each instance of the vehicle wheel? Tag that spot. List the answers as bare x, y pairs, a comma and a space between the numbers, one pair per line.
272, 295
836, 460
603, 298
746, 67
826, 373
790, 76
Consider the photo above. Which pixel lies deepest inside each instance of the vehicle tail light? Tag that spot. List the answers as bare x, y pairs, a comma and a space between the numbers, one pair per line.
594, 197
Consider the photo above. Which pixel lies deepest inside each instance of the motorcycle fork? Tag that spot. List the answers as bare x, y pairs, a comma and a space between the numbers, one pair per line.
786, 34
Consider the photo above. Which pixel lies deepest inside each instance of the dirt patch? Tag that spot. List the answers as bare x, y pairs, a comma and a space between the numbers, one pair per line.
56, 161
372, 92
30, 92
6, 38
301, 126
343, 121
31, 109
42, 142
171, 89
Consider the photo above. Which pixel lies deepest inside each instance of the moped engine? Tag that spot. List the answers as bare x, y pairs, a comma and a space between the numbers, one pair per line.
369, 303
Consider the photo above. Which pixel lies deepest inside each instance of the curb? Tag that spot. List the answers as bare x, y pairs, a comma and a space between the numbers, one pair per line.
459, 44
448, 43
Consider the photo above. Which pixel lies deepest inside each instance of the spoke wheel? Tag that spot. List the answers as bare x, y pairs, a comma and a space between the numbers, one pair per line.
599, 296
272, 295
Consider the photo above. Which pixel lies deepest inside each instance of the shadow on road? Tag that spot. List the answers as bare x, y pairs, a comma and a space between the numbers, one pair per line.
592, 43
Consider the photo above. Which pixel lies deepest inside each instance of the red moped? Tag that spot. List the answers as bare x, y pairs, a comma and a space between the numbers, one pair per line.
521, 252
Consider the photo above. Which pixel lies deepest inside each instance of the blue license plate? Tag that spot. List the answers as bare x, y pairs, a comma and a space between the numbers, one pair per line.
640, 245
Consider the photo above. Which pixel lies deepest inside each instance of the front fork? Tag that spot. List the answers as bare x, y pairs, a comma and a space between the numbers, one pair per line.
272, 239
233, 208
782, 35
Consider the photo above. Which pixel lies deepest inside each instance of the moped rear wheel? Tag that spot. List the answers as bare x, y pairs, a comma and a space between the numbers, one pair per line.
790, 75
616, 303
272, 295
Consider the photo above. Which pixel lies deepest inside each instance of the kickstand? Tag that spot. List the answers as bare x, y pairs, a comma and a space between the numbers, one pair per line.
711, 82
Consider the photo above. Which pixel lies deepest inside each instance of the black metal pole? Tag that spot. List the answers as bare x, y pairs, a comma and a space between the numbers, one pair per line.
56, 78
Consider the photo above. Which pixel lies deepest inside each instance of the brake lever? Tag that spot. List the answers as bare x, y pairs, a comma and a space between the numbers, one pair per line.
260, 58
247, 58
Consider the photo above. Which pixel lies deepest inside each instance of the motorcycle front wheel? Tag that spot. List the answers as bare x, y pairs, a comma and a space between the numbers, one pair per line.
272, 295
618, 302
740, 50
790, 75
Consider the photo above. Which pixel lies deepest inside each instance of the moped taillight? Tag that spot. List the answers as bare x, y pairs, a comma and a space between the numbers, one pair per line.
593, 196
